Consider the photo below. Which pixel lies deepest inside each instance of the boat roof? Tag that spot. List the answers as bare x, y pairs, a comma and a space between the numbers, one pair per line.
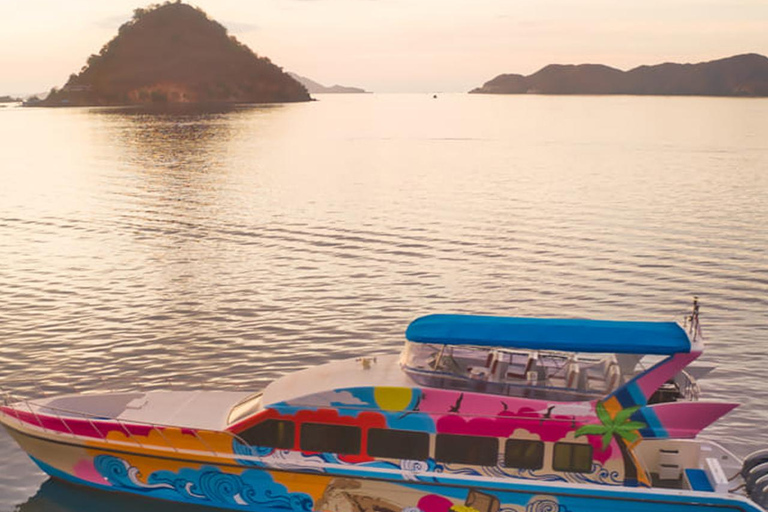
568, 335
382, 371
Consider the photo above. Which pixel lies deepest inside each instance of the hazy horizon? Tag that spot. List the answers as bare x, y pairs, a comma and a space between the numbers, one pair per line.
394, 46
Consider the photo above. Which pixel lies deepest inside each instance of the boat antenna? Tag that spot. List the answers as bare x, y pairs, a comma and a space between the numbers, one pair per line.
694, 329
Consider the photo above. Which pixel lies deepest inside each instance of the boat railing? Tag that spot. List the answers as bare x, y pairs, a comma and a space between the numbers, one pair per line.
33, 410
533, 388
689, 388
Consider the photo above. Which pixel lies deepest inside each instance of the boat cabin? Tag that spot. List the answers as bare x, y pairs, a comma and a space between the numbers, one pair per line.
529, 398
564, 360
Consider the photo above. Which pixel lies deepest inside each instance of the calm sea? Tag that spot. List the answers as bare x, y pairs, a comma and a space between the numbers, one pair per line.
221, 249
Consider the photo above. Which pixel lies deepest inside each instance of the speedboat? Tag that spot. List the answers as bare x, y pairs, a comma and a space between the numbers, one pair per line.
477, 414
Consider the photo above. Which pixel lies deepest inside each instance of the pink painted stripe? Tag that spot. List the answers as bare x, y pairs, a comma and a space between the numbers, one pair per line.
97, 429
654, 378
686, 419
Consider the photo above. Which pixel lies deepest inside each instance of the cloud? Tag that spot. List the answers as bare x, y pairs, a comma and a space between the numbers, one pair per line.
239, 27
328, 399
112, 22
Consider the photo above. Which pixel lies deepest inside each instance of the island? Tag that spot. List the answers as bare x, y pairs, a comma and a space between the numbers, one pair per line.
9, 99
174, 53
740, 75
317, 88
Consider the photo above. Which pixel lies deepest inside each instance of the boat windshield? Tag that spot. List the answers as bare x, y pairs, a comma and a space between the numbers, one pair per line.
244, 408
540, 374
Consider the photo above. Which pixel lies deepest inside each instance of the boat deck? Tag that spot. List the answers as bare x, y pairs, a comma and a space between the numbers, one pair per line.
189, 409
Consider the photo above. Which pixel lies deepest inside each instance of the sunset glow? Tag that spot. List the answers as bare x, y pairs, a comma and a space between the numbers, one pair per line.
399, 46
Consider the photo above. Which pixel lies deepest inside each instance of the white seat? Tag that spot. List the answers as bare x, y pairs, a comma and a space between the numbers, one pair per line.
607, 378
530, 365
572, 373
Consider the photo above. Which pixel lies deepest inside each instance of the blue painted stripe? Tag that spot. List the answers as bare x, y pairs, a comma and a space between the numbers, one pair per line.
623, 396
636, 393
648, 416
629, 394
595, 496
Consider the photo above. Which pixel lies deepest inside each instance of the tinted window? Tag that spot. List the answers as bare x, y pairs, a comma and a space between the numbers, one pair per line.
270, 433
523, 454
572, 457
398, 444
319, 437
478, 451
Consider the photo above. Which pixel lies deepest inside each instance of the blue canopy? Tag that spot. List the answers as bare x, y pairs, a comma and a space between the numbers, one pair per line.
605, 336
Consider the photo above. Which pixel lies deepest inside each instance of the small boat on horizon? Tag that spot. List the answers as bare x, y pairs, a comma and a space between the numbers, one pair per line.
477, 414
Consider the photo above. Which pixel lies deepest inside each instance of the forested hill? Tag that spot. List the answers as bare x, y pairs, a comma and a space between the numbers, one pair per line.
174, 53
740, 75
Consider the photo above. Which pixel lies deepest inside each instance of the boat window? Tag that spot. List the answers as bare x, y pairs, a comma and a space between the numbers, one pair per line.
474, 450
246, 407
419, 355
573, 457
398, 444
270, 433
321, 437
524, 454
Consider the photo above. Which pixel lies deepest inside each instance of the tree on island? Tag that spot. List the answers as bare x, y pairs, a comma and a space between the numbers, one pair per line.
174, 53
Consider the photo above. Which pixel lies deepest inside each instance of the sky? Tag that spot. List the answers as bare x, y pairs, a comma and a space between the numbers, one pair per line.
400, 45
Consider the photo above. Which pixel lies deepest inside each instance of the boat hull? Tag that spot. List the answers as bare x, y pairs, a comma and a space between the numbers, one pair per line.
237, 485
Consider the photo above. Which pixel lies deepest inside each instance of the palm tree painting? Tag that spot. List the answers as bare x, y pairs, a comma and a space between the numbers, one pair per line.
621, 428
618, 426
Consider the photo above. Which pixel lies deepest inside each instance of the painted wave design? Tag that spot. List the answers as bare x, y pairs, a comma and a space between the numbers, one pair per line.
119, 473
252, 488
538, 504
602, 475
316, 462
528, 474
545, 505
239, 448
599, 475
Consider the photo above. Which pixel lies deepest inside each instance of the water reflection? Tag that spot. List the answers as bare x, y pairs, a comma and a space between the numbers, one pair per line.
168, 183
56, 496
222, 248
165, 156
181, 109
172, 137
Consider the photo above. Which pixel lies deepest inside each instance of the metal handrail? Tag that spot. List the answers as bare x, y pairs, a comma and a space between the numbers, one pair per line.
16, 403
688, 386
72, 432
160, 433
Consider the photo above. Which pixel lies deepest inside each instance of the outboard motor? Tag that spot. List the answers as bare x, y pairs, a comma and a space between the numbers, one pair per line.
759, 492
755, 474
752, 460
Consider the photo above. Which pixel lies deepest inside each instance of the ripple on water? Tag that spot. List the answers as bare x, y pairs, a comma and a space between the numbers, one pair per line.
225, 249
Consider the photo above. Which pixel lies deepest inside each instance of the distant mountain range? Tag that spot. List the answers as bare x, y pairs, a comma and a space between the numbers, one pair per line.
174, 53
741, 75
316, 88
